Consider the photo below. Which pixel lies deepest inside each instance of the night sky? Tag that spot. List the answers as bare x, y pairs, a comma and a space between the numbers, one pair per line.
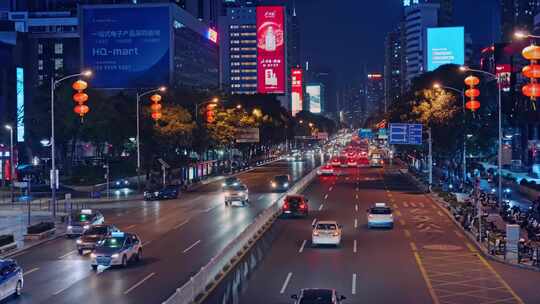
348, 35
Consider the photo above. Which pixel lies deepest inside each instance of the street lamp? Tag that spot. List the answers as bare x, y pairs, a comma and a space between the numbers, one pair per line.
213, 100
12, 164
523, 35
499, 87
54, 174
462, 93
138, 138
239, 107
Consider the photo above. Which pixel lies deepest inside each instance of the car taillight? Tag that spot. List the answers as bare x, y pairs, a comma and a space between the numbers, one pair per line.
303, 206
286, 206
316, 233
335, 234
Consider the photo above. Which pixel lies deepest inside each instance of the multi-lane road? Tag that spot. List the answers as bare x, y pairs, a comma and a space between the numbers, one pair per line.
424, 259
179, 237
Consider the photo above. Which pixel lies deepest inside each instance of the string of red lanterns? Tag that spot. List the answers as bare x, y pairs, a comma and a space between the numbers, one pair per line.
472, 93
156, 107
532, 71
80, 98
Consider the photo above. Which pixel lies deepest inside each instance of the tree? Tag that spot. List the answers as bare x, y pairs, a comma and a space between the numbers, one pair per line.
175, 128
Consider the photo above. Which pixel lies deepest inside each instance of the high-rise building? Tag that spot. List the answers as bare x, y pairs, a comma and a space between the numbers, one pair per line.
238, 47
374, 93
517, 15
418, 18
393, 76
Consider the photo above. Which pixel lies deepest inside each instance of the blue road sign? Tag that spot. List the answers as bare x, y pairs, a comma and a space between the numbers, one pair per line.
398, 134
405, 134
365, 133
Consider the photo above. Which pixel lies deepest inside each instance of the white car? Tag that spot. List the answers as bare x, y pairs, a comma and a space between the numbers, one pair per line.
118, 249
326, 233
238, 193
380, 216
326, 170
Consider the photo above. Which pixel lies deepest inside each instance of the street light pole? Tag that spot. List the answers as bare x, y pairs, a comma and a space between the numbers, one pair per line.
138, 99
12, 163
499, 101
54, 175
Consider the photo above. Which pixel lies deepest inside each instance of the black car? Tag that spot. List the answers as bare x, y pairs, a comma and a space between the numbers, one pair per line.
92, 236
231, 182
295, 205
318, 296
280, 182
120, 183
169, 192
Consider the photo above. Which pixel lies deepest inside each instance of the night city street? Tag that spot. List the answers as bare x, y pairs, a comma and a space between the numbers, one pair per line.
270, 151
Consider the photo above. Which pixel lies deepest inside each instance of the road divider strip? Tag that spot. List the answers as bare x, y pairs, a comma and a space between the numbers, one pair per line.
192, 246
302, 247
354, 246
355, 223
321, 206
203, 283
146, 278
31, 270
353, 291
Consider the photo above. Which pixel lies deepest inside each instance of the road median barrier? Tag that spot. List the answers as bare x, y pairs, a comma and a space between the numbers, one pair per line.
198, 288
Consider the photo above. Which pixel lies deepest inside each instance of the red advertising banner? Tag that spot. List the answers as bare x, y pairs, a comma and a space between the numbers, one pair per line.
297, 92
270, 50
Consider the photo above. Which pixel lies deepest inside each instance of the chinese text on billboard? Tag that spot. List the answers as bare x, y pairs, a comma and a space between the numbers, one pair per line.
126, 47
297, 97
446, 45
270, 50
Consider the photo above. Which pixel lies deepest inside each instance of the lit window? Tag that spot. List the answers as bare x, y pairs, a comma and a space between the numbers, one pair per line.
40, 64
40, 48
58, 48
58, 63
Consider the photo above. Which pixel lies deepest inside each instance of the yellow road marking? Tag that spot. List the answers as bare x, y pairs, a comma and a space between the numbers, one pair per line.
413, 246
424, 275
501, 280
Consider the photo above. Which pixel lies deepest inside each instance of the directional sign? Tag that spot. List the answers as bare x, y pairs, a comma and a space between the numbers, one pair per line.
398, 134
405, 134
365, 133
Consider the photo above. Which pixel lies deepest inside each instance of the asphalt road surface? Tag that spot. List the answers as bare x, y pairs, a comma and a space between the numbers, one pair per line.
179, 237
424, 259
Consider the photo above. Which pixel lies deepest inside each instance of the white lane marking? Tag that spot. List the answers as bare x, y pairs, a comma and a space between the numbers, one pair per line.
61, 290
354, 246
139, 283
355, 223
356, 196
69, 253
356, 207
330, 189
129, 227
314, 221
30, 271
210, 209
181, 224
191, 247
287, 279
326, 196
302, 247
353, 284
321, 206
413, 205
407, 205
260, 197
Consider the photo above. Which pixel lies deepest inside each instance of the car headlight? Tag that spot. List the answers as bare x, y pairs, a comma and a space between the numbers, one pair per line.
126, 183
273, 184
69, 227
117, 183
86, 227
286, 185
115, 256
223, 184
93, 255
79, 241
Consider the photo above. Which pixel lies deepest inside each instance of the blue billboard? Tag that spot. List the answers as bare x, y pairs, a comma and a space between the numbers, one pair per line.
126, 46
20, 104
445, 45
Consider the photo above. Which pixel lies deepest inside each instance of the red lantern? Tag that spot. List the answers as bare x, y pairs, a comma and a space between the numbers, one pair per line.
80, 97
531, 71
80, 85
472, 81
156, 107
81, 110
531, 90
156, 116
472, 105
472, 93
155, 98
532, 52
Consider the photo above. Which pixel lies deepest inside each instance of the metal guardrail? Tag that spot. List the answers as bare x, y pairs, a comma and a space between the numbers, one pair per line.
198, 283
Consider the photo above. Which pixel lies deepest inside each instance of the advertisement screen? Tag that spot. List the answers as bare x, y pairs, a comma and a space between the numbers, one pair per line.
20, 104
126, 47
270, 50
297, 92
446, 45
314, 92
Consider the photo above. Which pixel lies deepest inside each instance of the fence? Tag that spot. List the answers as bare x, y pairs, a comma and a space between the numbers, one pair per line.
198, 283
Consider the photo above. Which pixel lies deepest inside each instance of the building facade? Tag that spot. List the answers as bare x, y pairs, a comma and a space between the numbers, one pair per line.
393, 76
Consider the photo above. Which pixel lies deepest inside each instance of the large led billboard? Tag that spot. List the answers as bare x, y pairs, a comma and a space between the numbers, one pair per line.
297, 91
20, 104
314, 93
445, 45
270, 50
126, 46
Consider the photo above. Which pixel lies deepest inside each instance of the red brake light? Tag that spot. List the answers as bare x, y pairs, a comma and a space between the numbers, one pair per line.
303, 206
286, 205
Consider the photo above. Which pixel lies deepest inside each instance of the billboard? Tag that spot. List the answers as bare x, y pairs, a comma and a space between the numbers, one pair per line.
297, 91
247, 135
126, 46
314, 93
270, 50
445, 45
20, 104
